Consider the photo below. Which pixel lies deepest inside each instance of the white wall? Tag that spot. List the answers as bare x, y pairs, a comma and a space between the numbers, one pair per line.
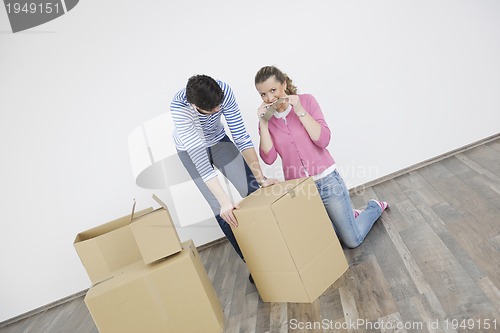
398, 81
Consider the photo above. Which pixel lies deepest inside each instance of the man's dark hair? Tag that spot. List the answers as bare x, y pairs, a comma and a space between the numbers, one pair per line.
204, 92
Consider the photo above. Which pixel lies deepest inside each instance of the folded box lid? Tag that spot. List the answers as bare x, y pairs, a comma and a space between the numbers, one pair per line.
155, 234
266, 196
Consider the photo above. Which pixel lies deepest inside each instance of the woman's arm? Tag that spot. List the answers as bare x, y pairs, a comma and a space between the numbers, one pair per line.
312, 119
266, 142
310, 124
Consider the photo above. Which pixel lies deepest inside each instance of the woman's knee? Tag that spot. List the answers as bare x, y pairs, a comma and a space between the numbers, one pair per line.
351, 243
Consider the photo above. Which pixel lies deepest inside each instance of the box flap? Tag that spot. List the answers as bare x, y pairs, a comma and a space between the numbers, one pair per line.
161, 203
133, 211
266, 196
156, 235
108, 227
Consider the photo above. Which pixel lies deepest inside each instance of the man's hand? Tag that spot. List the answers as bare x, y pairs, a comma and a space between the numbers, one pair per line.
226, 212
269, 182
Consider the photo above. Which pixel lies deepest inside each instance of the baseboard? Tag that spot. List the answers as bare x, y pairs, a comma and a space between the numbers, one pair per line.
43, 308
223, 239
84, 292
212, 243
424, 163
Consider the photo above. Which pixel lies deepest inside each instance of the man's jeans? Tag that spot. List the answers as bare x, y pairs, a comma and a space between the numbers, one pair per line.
227, 158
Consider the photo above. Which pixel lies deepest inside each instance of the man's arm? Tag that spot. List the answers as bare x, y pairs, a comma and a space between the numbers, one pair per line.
226, 205
250, 156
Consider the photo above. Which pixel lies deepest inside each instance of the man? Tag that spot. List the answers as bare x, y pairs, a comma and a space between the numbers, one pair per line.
202, 143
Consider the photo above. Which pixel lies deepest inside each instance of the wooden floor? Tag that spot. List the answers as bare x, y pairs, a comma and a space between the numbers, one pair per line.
430, 264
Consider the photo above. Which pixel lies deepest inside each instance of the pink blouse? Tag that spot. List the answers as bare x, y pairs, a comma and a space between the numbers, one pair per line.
300, 155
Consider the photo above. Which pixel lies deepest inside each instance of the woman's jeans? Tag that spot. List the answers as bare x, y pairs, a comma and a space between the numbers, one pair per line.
227, 158
351, 231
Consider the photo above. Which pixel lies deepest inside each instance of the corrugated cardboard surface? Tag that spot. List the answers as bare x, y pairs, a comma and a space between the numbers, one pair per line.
150, 235
108, 247
288, 242
156, 235
173, 295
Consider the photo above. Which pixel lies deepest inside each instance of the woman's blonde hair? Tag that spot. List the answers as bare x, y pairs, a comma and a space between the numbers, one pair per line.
267, 71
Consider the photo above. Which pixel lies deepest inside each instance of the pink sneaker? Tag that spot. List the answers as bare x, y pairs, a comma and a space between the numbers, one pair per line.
356, 212
382, 204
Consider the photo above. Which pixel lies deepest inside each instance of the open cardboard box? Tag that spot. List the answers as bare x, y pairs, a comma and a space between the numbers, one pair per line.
147, 235
288, 242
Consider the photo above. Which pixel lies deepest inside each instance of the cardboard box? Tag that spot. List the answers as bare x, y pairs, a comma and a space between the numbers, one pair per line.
148, 235
155, 234
288, 242
173, 295
109, 247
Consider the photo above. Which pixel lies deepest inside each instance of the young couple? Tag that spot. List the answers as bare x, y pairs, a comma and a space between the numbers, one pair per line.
296, 131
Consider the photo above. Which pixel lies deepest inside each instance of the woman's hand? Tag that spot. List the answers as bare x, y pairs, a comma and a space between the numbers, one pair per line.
294, 101
262, 110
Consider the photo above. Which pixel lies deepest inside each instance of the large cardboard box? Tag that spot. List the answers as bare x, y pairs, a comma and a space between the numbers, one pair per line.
145, 235
173, 295
288, 242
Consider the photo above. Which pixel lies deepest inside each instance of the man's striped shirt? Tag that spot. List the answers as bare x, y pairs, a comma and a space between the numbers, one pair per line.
195, 132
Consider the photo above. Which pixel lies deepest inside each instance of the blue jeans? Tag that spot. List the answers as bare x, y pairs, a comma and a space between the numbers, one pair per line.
351, 231
226, 157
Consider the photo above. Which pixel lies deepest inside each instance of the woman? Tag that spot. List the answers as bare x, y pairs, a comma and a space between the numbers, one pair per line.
298, 133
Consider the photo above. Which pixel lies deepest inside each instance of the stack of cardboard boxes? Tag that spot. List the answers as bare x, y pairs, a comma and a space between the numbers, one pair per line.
144, 279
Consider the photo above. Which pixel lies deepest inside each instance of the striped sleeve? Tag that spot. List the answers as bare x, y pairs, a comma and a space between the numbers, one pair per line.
190, 135
234, 121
